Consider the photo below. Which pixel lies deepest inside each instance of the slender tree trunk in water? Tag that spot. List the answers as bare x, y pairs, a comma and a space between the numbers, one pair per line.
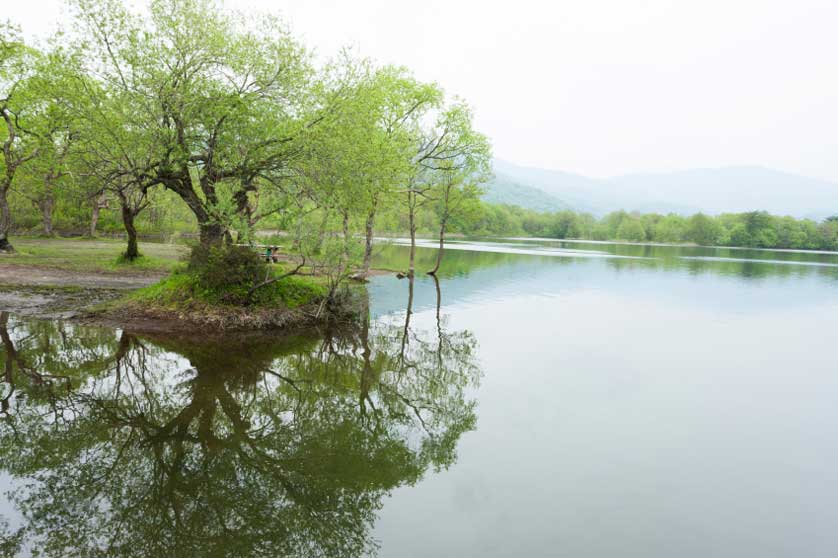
412, 217
132, 252
368, 245
441, 246
406, 334
438, 321
438, 302
366, 374
5, 220
8, 369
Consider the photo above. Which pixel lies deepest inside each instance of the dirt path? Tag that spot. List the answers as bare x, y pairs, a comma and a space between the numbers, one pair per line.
34, 276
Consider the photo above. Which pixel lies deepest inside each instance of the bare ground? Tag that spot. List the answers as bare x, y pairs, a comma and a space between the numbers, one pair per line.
58, 293
30, 275
52, 292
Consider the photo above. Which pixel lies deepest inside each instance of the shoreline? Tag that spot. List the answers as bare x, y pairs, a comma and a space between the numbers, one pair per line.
99, 299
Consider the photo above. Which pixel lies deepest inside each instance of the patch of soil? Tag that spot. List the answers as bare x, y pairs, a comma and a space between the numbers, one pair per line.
52, 303
30, 275
201, 318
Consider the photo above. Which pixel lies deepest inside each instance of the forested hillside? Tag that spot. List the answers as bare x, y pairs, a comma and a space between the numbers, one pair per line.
504, 190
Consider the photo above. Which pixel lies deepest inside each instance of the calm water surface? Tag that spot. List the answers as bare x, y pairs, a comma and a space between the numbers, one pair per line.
542, 398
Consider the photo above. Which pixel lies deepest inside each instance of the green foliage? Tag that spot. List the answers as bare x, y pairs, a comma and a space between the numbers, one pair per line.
631, 229
703, 230
183, 289
225, 268
229, 274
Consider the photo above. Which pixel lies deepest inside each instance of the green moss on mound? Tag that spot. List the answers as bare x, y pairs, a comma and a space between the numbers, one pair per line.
229, 287
183, 289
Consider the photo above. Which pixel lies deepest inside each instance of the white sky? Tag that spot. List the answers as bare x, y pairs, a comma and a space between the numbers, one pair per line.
601, 87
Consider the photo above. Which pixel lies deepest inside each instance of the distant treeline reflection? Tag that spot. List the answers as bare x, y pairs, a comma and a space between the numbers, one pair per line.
730, 261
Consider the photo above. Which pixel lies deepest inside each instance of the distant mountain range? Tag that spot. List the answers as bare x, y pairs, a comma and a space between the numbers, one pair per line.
713, 190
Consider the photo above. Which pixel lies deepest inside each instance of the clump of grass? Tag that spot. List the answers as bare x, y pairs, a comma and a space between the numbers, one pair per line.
141, 263
230, 287
183, 288
183, 301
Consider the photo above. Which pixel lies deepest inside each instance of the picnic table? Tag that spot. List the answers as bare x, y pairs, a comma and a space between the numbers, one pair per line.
269, 251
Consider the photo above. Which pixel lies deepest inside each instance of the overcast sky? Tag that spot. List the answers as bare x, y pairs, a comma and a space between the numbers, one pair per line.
601, 87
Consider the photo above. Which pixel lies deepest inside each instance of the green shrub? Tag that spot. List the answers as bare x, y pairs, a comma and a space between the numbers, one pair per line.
226, 268
226, 276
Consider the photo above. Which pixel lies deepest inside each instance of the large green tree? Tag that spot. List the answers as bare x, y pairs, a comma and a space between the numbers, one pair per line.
208, 104
19, 103
458, 169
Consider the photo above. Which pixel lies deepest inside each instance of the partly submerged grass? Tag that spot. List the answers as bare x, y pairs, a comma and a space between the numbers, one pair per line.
93, 255
180, 301
182, 289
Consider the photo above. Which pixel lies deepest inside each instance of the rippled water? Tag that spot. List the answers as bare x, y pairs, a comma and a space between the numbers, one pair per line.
543, 398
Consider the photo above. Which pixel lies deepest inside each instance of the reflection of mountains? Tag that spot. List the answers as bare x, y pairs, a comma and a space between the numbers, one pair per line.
256, 447
473, 276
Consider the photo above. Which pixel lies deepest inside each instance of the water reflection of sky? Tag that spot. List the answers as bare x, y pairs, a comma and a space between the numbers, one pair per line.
656, 408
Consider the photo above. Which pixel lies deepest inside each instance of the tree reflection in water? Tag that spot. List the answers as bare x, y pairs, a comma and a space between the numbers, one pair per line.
146, 445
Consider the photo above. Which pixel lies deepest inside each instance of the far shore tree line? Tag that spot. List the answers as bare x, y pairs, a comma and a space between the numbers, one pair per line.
189, 116
754, 229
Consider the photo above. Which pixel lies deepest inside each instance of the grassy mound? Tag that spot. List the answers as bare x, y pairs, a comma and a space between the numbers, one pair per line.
231, 287
183, 290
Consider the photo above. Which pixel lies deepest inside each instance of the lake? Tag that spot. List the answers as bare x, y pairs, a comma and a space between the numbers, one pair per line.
541, 398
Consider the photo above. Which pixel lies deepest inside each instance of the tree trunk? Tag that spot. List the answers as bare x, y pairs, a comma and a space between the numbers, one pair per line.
408, 313
47, 205
346, 261
94, 216
368, 246
441, 246
9, 365
412, 217
298, 234
132, 252
367, 376
438, 304
439, 335
212, 234
5, 221
346, 226
321, 234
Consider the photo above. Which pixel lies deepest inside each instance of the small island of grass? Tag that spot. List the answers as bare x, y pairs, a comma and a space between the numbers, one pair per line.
233, 288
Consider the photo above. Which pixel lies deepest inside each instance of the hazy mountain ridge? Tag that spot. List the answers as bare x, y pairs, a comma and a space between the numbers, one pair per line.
710, 190
504, 190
